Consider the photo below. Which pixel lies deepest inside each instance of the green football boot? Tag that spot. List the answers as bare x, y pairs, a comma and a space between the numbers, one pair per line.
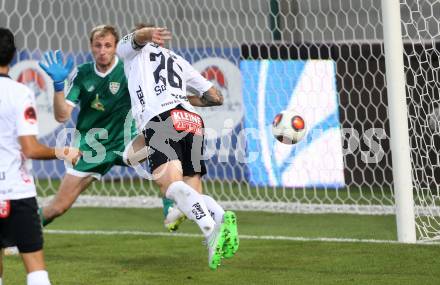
232, 241
215, 243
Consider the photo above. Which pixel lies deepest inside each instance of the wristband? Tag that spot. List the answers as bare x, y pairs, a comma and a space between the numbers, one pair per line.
58, 86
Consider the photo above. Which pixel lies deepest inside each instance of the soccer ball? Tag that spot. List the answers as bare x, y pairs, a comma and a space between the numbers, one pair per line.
288, 127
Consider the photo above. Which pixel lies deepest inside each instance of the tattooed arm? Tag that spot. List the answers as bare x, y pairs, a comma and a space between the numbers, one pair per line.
212, 97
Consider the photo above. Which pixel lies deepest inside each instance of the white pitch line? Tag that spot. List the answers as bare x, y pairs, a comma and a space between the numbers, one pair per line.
250, 237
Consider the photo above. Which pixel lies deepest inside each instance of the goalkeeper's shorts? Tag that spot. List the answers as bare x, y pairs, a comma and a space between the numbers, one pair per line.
97, 164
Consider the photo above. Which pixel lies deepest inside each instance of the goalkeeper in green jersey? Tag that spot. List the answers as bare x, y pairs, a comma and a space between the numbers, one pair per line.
100, 90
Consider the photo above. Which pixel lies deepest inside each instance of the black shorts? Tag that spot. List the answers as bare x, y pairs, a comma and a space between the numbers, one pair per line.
176, 134
22, 228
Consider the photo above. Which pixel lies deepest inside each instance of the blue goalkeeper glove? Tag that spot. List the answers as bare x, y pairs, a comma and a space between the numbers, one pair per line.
55, 69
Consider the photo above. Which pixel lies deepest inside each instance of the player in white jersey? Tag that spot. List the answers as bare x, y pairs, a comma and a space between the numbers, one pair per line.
157, 82
19, 220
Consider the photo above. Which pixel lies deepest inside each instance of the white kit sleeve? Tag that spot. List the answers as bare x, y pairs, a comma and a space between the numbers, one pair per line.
26, 114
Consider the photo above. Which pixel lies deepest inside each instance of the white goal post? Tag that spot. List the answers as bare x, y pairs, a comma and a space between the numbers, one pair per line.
365, 78
398, 113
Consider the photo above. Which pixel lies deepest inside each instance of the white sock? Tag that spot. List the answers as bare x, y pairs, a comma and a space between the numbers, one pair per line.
39, 277
192, 204
1, 282
214, 209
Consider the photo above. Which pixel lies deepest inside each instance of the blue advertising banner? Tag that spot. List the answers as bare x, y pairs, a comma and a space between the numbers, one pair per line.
308, 87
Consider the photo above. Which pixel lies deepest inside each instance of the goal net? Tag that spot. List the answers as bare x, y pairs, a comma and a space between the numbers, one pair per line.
421, 34
325, 59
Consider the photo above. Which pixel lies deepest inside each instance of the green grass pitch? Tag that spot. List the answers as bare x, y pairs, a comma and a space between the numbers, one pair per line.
153, 257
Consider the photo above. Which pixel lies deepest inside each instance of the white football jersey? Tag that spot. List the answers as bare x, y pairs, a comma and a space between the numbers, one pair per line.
157, 79
17, 118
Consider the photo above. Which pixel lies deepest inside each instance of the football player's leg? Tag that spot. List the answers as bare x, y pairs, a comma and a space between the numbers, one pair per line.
134, 154
166, 164
136, 151
76, 180
35, 268
175, 216
219, 215
214, 208
1, 265
174, 219
169, 178
28, 236
71, 187
167, 204
194, 169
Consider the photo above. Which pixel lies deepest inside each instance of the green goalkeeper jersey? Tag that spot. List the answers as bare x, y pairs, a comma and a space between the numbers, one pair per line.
104, 104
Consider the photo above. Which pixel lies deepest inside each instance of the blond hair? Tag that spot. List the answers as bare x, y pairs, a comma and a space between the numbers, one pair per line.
103, 30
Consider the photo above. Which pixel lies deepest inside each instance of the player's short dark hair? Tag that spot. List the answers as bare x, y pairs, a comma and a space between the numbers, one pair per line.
7, 46
103, 30
141, 25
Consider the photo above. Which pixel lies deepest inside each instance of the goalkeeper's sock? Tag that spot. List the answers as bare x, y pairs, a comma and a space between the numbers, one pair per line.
43, 220
167, 204
39, 277
192, 204
214, 209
